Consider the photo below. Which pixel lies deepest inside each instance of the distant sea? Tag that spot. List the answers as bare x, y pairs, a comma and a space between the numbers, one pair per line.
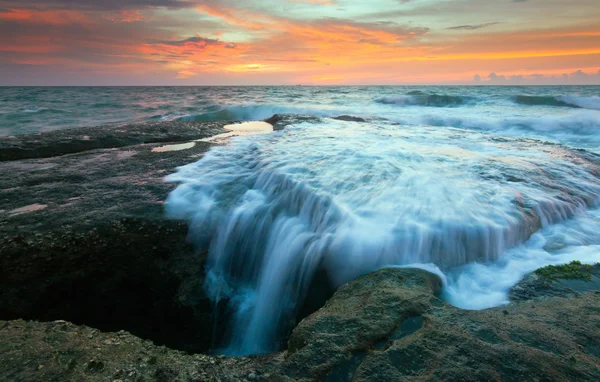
567, 114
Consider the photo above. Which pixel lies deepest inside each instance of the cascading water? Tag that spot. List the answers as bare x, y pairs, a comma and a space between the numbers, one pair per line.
347, 198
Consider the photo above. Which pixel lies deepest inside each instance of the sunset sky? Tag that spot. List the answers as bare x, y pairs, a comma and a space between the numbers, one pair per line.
244, 42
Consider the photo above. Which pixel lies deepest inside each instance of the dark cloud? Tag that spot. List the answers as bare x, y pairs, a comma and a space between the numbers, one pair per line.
196, 40
473, 27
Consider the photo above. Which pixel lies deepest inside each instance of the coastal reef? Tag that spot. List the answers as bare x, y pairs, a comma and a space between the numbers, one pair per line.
96, 284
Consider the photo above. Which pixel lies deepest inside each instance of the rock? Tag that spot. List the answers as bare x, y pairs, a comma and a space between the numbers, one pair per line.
562, 280
102, 252
274, 119
280, 121
389, 325
95, 367
69, 141
67, 355
349, 118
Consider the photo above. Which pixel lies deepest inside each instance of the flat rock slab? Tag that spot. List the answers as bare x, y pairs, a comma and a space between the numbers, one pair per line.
61, 351
536, 286
390, 326
69, 141
84, 236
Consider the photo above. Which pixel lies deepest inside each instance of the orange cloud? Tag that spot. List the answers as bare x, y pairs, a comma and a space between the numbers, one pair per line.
239, 17
46, 17
318, 50
125, 16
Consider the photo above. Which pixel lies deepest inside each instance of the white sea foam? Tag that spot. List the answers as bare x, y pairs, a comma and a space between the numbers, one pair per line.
480, 286
579, 128
176, 147
349, 198
583, 102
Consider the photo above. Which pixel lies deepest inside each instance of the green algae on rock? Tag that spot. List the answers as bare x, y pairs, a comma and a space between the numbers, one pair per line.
558, 280
572, 270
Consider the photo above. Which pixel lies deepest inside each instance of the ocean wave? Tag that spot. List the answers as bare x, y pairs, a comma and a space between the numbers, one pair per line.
108, 105
43, 110
251, 113
579, 128
165, 117
559, 101
418, 98
582, 102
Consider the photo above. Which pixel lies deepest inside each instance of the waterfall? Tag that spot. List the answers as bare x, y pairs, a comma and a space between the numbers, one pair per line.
348, 198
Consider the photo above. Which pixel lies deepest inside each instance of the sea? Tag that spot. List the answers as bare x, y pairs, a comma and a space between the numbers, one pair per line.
480, 185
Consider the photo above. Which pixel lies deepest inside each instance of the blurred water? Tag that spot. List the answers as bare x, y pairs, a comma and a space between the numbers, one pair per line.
347, 198
468, 182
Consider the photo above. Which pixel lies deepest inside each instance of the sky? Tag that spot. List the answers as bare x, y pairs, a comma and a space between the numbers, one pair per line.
310, 42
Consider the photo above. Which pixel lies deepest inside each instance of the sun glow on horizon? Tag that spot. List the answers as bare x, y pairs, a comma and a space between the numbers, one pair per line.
200, 42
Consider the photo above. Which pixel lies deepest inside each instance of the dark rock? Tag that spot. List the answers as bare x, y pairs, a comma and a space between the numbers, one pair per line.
280, 121
84, 240
552, 281
349, 118
69, 141
274, 119
425, 339
100, 252
95, 367
35, 351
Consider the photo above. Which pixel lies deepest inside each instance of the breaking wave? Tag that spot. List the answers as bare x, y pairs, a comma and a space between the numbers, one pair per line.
44, 110
560, 101
252, 113
418, 98
579, 129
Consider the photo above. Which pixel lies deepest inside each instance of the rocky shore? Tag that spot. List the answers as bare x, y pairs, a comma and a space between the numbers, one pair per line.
96, 285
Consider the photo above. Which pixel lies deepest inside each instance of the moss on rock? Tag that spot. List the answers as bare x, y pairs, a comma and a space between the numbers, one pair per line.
573, 270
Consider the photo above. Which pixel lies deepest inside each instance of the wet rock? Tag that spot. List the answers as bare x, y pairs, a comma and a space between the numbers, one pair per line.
69, 141
274, 119
349, 118
101, 251
562, 280
424, 339
34, 351
280, 121
390, 326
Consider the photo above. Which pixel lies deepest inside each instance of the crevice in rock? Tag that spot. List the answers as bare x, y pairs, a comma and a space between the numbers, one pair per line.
124, 275
406, 328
